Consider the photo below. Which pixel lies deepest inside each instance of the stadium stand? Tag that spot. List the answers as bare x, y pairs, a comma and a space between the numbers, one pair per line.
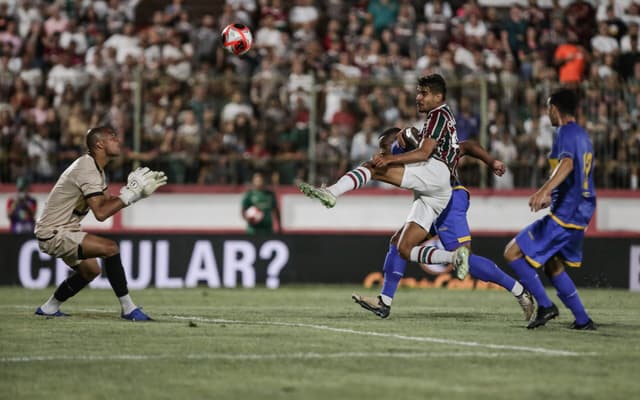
340, 70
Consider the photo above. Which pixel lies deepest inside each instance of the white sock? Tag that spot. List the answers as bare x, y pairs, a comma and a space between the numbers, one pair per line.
431, 255
127, 304
517, 289
386, 299
352, 180
51, 306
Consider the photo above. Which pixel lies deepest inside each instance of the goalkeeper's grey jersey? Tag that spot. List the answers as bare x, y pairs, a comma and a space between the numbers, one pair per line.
67, 205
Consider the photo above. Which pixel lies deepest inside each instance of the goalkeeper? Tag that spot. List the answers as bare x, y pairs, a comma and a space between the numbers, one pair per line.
80, 188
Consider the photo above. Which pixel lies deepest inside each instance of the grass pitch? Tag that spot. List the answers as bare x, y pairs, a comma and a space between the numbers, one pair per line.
313, 342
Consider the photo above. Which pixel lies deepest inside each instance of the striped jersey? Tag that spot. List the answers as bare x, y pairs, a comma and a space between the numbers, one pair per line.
441, 127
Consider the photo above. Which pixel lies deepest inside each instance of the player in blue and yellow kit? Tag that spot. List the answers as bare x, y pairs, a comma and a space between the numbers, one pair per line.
555, 241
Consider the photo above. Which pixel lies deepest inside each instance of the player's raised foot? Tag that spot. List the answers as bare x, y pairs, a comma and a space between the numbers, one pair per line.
588, 326
373, 304
543, 315
136, 315
55, 314
461, 262
526, 303
326, 198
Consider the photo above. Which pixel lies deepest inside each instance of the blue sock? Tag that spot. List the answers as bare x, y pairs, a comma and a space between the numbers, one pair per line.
394, 267
568, 293
530, 279
486, 270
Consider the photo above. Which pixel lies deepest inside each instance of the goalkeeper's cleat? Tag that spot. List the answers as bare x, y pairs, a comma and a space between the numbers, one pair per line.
136, 315
589, 326
543, 315
326, 197
373, 304
55, 314
461, 262
526, 303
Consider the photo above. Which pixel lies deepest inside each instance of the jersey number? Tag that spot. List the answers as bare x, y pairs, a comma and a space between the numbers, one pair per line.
587, 159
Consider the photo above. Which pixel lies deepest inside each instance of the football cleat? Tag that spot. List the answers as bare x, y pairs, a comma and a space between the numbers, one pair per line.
136, 315
326, 197
461, 262
543, 315
375, 305
589, 326
55, 314
526, 303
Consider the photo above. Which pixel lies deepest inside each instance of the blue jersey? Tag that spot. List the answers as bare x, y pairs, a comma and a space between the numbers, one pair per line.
574, 200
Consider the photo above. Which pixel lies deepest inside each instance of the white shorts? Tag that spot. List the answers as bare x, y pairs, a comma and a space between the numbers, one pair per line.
430, 182
63, 244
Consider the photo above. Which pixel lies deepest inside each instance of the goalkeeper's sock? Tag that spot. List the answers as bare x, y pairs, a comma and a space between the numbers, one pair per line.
431, 255
486, 270
69, 287
568, 293
529, 278
51, 306
394, 267
127, 304
352, 180
116, 275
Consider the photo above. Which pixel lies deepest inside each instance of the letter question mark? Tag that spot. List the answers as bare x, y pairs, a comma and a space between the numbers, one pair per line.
280, 260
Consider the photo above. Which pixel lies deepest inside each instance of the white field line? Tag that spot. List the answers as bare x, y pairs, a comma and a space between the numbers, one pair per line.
252, 357
538, 350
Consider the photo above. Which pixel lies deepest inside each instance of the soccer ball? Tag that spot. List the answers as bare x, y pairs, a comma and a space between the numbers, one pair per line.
237, 38
254, 215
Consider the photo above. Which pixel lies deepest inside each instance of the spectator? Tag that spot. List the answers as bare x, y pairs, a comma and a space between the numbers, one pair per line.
571, 59
21, 209
260, 207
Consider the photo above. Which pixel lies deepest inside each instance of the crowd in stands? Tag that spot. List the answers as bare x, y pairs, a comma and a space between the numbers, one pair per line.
208, 117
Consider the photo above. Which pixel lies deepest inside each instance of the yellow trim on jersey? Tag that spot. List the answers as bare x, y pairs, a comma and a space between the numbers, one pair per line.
464, 239
532, 261
460, 187
573, 264
564, 224
553, 163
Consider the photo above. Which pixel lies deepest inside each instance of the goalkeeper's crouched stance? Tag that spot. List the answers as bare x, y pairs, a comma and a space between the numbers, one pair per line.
80, 188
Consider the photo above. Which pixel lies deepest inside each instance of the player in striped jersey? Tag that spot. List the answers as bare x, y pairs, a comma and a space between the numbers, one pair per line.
426, 170
555, 241
452, 228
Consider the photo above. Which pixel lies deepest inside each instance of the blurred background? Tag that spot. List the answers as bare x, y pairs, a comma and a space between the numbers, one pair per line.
323, 78
307, 102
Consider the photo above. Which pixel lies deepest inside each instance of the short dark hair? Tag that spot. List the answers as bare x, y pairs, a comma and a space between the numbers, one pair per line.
95, 134
435, 83
565, 100
386, 138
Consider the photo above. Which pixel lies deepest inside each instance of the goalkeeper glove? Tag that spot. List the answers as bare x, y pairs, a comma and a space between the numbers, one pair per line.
136, 182
156, 179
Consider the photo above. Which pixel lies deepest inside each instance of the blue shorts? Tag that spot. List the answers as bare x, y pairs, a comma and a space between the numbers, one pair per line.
452, 225
544, 239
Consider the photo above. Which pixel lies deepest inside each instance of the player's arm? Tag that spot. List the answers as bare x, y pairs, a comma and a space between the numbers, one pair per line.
473, 149
542, 198
421, 153
104, 205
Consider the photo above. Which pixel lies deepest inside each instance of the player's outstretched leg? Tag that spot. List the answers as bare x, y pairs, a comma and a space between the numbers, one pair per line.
486, 270
320, 193
352, 180
373, 304
461, 262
